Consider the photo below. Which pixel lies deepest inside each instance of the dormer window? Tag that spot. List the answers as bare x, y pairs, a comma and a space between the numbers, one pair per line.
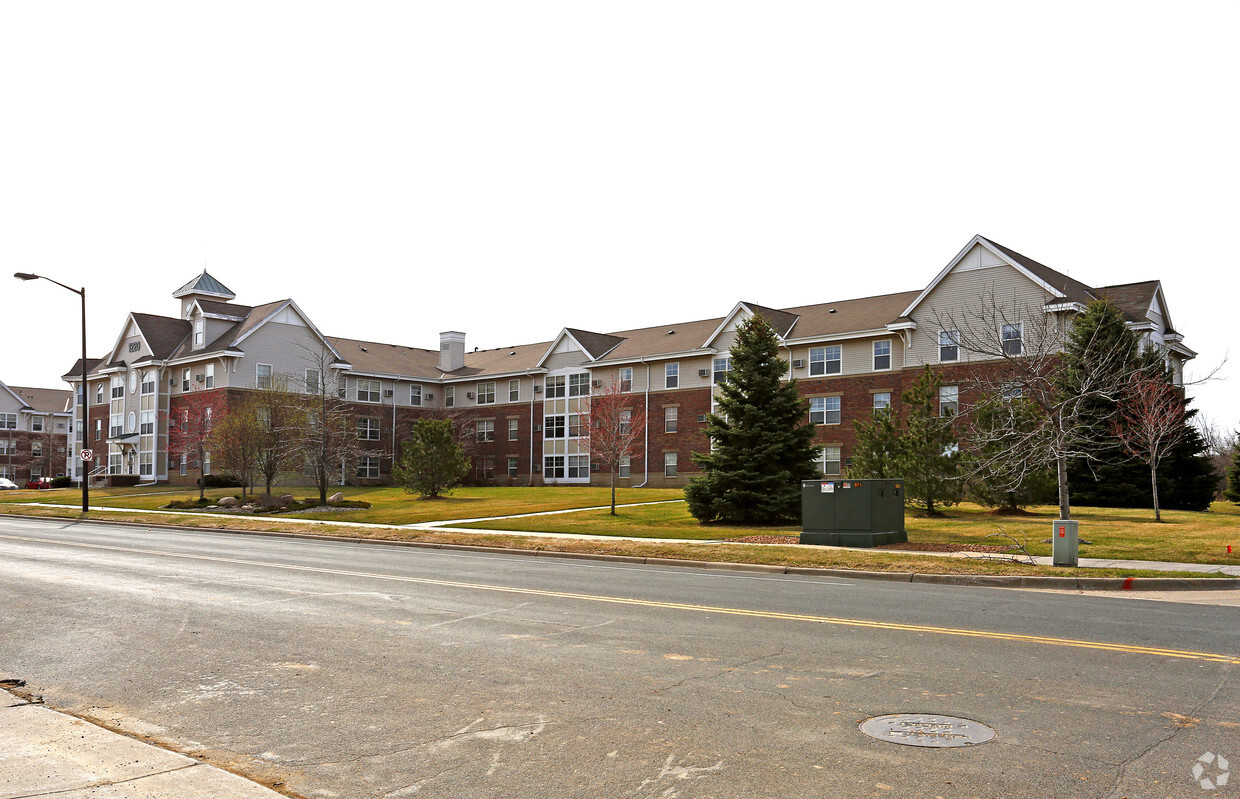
199, 331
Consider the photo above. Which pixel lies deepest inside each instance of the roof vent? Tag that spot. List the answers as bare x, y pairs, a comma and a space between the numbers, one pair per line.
831, 311
364, 349
671, 332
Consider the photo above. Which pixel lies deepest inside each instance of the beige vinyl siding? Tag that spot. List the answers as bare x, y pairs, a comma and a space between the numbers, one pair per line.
125, 355
214, 329
605, 375
960, 293
284, 347
856, 355
566, 360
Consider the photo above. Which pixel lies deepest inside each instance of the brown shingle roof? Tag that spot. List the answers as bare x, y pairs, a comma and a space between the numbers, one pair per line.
597, 344
374, 357
76, 371
45, 400
224, 308
663, 339
1073, 289
162, 333
782, 321
846, 316
1133, 299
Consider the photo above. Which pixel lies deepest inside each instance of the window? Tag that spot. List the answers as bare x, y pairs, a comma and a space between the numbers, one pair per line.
210, 375
183, 460
368, 390
579, 466
262, 375
574, 425
6, 446
514, 390
882, 355
415, 395
721, 367
1011, 391
824, 410
98, 429
206, 462
484, 468
148, 380
882, 401
626, 422
185, 380
449, 396
829, 460
553, 467
314, 381
670, 417
949, 400
949, 346
486, 393
626, 379
207, 418
36, 449
513, 428
825, 360
118, 387
671, 375
36, 424
8, 421
36, 472
484, 430
623, 468
368, 429
116, 425
99, 394
579, 385
512, 466
199, 334
368, 468
553, 427
114, 463
555, 387
1012, 339
148, 423
669, 464
146, 464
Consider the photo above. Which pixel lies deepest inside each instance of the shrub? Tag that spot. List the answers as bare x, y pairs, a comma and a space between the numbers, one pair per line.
62, 482
223, 480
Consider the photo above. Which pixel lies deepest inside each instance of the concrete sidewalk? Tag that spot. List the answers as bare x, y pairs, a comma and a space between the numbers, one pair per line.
45, 753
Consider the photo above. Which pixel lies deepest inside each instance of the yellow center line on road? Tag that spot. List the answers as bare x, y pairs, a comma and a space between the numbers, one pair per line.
1211, 657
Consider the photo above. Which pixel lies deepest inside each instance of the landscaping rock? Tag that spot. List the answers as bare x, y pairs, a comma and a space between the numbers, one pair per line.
337, 497
287, 499
228, 502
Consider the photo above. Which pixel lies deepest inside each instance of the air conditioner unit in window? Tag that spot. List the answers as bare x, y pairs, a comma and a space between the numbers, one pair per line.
469, 395
429, 396
594, 467
537, 467
703, 372
596, 383
702, 418
537, 428
537, 389
387, 392
798, 363
198, 378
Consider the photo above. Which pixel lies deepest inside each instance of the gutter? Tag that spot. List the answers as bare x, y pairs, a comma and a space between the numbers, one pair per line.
646, 429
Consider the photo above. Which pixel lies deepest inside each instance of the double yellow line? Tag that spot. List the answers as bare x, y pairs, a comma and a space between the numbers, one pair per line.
1210, 657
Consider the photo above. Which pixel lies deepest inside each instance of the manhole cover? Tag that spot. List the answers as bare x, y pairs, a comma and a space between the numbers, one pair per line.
921, 730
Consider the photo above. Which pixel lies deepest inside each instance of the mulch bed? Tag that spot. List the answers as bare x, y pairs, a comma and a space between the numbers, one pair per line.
907, 547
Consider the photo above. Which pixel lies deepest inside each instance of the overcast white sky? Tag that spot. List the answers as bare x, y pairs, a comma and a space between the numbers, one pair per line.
510, 168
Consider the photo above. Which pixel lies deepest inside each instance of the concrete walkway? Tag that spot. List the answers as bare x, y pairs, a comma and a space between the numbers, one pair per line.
45, 753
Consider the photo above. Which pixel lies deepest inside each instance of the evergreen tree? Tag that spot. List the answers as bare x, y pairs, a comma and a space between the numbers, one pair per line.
761, 438
928, 459
431, 462
1007, 485
1232, 493
878, 444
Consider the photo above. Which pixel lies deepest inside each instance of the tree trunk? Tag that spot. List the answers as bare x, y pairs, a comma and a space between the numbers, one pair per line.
202, 475
322, 493
1154, 486
613, 491
1065, 510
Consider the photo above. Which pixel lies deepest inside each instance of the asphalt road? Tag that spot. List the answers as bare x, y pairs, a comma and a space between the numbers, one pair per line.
356, 670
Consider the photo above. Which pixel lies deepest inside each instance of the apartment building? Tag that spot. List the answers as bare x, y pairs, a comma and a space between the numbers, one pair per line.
525, 403
36, 426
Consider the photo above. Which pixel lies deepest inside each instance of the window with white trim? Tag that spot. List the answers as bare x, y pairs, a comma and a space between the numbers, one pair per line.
368, 390
199, 331
578, 466
8, 421
148, 380
415, 395
210, 375
670, 419
368, 467
882, 355
185, 379
513, 466
553, 426
314, 381
484, 430
484, 468
824, 410
116, 425
36, 449
626, 422
146, 464
485, 393
118, 387
555, 387
368, 428
99, 394
882, 401
669, 464
623, 469
719, 368
262, 375
514, 390
514, 427
7, 447
1013, 335
671, 375
828, 460
825, 360
574, 425
147, 426
36, 424
626, 379
949, 400
579, 385
949, 346
449, 396
553, 467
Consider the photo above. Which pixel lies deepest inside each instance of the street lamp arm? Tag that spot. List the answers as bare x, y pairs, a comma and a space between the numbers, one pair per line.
32, 276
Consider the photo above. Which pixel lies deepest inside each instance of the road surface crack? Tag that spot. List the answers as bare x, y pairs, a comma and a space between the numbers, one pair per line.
726, 670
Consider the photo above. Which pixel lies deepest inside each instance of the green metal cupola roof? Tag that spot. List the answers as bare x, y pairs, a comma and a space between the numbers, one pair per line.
204, 285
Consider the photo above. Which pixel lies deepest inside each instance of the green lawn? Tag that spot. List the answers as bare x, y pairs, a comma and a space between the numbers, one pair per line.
390, 505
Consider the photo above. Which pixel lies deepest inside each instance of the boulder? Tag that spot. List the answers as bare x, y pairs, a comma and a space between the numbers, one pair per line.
228, 502
287, 499
337, 497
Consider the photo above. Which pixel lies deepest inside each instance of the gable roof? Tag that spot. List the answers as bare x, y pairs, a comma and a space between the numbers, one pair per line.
205, 284
1072, 289
162, 333
1134, 299
75, 373
43, 400
595, 345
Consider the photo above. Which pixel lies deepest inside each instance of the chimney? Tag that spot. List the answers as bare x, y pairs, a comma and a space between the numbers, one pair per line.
451, 351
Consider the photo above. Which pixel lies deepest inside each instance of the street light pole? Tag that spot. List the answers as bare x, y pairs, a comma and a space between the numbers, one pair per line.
85, 426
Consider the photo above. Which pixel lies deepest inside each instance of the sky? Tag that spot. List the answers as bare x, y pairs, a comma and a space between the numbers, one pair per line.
507, 169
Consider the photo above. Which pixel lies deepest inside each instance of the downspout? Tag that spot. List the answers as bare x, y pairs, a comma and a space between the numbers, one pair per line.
646, 429
532, 398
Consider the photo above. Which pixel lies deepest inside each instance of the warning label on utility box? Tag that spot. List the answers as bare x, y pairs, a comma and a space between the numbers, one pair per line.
828, 488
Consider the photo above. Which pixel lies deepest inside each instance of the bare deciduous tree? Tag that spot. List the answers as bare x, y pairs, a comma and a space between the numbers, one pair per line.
1151, 422
189, 429
616, 421
234, 441
327, 443
279, 426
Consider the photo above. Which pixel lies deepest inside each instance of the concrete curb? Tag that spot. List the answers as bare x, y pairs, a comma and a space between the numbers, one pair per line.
966, 580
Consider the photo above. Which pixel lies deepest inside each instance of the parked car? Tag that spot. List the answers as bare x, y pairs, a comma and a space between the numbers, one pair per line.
7, 485
39, 482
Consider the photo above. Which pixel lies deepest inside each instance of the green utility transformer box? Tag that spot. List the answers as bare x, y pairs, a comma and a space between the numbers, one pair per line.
852, 513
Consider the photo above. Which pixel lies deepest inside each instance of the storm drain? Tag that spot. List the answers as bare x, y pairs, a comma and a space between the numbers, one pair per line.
938, 732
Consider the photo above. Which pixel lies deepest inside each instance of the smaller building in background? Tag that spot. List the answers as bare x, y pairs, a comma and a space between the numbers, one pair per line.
36, 430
